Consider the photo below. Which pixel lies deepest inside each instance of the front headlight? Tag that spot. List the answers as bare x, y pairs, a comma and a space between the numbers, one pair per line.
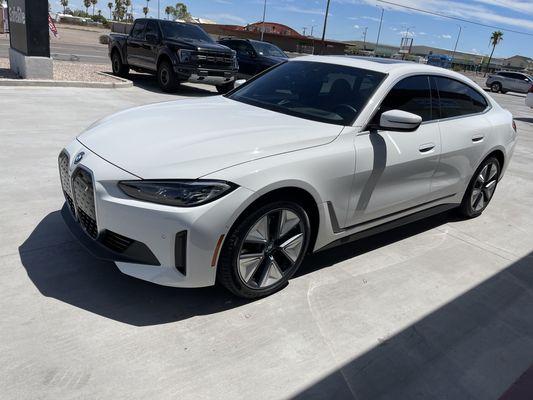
182, 193
185, 56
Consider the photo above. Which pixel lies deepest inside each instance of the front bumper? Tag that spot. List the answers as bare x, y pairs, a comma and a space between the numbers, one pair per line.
167, 245
209, 76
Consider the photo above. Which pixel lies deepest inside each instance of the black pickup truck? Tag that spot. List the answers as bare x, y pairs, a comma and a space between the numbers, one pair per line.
176, 52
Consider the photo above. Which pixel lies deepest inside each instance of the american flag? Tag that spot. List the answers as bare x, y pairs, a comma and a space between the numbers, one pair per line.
52, 26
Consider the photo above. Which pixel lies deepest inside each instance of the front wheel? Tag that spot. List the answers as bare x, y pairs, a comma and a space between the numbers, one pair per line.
166, 77
223, 89
481, 188
496, 87
264, 250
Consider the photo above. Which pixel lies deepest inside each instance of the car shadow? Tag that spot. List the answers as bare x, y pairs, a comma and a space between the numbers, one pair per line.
149, 82
62, 269
524, 119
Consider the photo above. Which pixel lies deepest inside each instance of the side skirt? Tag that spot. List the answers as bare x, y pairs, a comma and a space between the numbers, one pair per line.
390, 225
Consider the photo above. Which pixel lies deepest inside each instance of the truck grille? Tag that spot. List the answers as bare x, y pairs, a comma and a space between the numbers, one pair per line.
79, 194
215, 60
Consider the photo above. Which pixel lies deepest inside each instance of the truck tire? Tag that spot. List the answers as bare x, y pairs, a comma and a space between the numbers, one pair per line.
166, 77
119, 68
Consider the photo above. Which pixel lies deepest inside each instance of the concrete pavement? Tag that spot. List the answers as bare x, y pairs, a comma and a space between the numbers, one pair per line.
438, 309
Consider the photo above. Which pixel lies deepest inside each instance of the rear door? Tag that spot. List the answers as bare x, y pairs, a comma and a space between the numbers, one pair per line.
134, 43
464, 131
394, 169
149, 48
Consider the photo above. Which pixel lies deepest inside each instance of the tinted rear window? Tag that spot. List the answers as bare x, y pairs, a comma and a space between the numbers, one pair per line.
458, 99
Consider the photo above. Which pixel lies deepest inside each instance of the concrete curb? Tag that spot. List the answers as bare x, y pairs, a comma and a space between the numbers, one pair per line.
120, 84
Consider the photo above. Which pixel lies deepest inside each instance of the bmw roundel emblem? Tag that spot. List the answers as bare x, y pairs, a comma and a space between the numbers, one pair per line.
79, 157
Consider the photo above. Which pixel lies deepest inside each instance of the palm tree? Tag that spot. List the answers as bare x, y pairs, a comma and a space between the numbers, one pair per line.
93, 2
169, 10
64, 3
182, 13
145, 11
110, 6
495, 39
87, 4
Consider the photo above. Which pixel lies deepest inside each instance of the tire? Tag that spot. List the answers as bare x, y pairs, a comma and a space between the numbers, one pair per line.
257, 261
223, 89
119, 68
495, 87
166, 77
481, 188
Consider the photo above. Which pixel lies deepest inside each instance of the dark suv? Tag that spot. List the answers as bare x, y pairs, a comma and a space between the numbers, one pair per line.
176, 52
254, 56
508, 81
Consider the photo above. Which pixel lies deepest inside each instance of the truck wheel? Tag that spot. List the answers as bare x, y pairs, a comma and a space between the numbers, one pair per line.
166, 77
222, 89
119, 68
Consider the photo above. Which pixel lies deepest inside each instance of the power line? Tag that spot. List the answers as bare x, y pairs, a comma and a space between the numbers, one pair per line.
455, 18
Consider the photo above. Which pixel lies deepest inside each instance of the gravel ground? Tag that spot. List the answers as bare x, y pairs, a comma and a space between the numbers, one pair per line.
66, 71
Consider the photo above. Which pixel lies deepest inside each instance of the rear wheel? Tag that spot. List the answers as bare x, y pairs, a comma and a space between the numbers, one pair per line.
264, 250
481, 188
119, 68
496, 87
166, 77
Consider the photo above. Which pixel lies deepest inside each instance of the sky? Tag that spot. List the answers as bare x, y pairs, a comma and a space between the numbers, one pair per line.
348, 19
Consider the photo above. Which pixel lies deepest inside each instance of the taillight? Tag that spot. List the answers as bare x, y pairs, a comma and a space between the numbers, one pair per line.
514, 126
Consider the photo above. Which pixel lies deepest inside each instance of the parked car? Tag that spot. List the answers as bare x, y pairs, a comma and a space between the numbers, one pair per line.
506, 81
176, 52
529, 98
255, 56
314, 153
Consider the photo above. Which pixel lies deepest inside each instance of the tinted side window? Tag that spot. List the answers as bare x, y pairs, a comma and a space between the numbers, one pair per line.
457, 99
410, 94
152, 29
520, 77
138, 30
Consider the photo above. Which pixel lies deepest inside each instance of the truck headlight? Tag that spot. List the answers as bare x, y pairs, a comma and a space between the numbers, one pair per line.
180, 193
185, 56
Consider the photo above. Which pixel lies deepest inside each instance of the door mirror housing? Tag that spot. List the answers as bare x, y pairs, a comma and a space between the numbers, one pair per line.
239, 82
151, 38
398, 120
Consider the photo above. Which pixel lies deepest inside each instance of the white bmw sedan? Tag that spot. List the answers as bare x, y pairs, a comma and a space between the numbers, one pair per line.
314, 152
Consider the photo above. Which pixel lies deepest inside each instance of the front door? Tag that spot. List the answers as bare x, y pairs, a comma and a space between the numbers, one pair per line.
394, 169
134, 43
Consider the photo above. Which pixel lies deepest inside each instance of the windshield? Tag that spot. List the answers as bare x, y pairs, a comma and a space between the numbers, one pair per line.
267, 49
322, 92
187, 32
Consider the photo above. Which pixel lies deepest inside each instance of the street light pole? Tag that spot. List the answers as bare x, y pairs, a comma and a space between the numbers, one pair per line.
325, 25
158, 8
456, 42
263, 24
379, 33
364, 37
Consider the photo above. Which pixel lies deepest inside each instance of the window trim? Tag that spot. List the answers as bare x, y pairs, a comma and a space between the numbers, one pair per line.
366, 126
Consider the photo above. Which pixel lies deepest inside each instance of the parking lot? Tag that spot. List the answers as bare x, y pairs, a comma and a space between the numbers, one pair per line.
437, 309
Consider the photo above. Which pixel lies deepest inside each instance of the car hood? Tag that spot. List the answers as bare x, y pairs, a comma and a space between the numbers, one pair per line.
199, 45
274, 60
191, 138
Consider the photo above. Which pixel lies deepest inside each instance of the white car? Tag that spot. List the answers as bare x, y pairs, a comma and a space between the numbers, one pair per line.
316, 152
529, 97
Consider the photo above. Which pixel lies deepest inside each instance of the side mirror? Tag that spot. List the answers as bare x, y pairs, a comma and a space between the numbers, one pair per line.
239, 82
398, 120
151, 38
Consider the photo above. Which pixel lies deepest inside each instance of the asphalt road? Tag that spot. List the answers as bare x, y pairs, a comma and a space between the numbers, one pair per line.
85, 53
440, 309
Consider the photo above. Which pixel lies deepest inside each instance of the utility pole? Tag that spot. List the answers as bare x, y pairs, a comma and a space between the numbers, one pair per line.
379, 32
304, 28
364, 37
324, 29
158, 7
456, 42
312, 28
263, 24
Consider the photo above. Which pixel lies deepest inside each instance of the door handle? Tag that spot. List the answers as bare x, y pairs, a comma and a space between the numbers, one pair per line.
426, 147
478, 138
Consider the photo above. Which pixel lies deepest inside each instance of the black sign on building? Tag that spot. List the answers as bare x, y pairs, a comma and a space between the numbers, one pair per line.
28, 26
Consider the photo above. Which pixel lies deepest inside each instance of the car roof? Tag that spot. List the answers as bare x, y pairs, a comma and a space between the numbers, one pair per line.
386, 66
